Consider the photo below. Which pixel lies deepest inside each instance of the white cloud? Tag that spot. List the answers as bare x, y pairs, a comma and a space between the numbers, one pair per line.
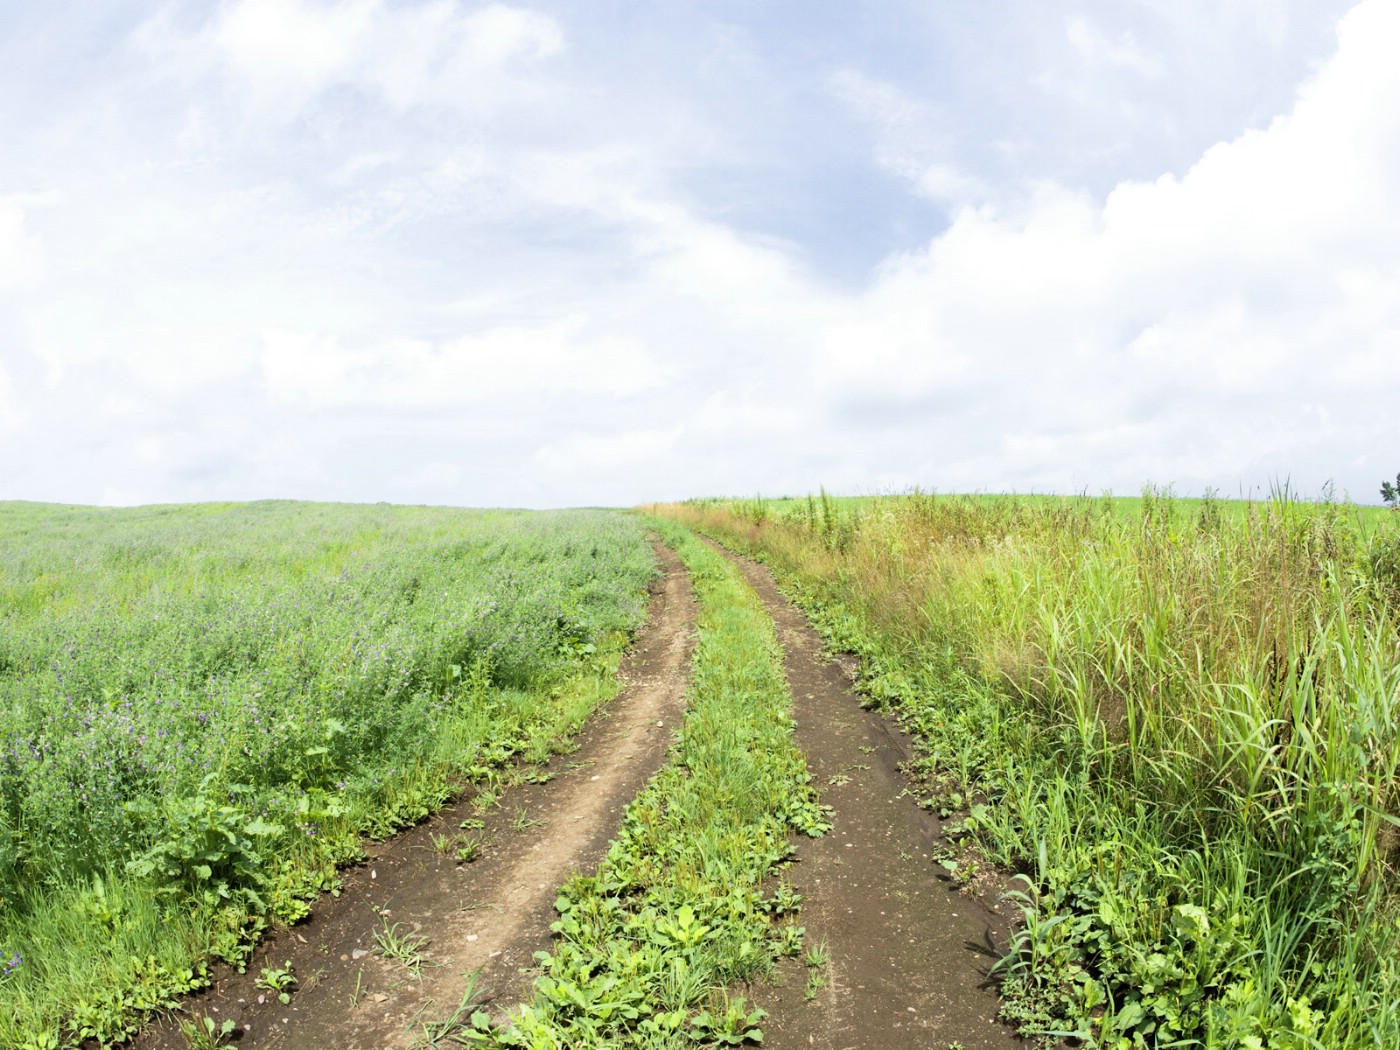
12, 419
421, 247
538, 361
21, 252
1096, 47
282, 54
438, 475
907, 141
609, 452
1175, 318
287, 48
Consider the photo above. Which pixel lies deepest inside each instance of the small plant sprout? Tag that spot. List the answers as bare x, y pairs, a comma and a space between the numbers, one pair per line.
468, 848
816, 958
463, 1026
202, 1032
406, 948
789, 940
279, 981
357, 996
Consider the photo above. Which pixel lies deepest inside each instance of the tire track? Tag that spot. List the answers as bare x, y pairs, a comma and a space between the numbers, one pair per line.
908, 952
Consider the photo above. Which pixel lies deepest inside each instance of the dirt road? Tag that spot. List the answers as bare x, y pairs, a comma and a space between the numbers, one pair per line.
908, 951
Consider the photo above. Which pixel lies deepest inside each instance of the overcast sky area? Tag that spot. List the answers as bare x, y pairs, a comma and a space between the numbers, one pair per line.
568, 252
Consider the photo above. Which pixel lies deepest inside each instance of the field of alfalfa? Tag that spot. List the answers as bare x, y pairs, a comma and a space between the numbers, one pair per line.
1176, 721
204, 708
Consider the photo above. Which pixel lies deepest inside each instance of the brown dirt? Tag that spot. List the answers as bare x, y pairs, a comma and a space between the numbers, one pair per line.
909, 951
491, 915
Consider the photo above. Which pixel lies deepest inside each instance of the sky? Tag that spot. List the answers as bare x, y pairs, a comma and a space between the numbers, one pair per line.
601, 253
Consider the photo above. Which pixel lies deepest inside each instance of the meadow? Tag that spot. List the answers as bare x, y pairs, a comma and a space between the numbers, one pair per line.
1175, 722
203, 709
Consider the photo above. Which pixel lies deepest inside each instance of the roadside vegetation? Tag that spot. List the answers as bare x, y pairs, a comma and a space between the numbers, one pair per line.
204, 708
1177, 724
652, 949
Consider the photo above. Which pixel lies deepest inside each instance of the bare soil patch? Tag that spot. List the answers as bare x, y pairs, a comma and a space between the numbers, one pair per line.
490, 915
909, 951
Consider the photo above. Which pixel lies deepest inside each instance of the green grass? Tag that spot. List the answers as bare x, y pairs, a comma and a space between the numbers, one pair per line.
651, 947
1367, 518
1179, 727
203, 708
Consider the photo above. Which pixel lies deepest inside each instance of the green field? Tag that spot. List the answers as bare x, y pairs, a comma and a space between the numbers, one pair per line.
1178, 721
1174, 724
202, 708
1367, 518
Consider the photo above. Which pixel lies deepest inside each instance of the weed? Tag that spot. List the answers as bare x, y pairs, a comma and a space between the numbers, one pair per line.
357, 996
728, 1023
202, 1032
788, 943
467, 848
406, 948
465, 1025
278, 980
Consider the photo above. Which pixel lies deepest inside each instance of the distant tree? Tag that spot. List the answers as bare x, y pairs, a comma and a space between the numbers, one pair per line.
1390, 492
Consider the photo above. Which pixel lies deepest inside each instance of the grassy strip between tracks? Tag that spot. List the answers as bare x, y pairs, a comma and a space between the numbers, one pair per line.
651, 947
1182, 730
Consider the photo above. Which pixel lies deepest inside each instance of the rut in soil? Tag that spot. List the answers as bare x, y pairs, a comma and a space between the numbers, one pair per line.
908, 952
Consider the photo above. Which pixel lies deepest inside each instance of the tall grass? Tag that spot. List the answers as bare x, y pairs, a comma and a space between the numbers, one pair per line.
1182, 725
203, 708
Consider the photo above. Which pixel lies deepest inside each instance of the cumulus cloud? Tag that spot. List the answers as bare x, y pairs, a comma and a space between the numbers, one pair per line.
1177, 326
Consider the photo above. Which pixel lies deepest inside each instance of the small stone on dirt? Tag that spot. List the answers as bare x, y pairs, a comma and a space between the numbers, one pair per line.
358, 954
